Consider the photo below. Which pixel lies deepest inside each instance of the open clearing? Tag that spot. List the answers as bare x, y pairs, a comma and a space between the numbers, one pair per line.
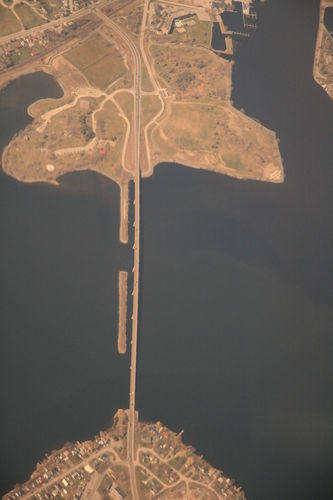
111, 128
31, 152
68, 73
28, 16
65, 130
130, 10
126, 102
99, 61
199, 126
199, 33
8, 22
192, 72
146, 84
150, 106
218, 136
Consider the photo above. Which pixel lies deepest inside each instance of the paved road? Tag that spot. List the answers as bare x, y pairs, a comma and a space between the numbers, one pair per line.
137, 87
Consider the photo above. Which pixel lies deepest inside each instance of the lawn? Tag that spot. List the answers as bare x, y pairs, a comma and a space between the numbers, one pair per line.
64, 129
150, 106
99, 61
109, 123
28, 16
146, 84
126, 102
8, 22
199, 33
216, 135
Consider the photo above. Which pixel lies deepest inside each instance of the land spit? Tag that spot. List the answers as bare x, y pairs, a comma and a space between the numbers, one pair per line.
122, 284
124, 200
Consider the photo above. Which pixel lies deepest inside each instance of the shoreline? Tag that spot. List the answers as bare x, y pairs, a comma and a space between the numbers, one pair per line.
122, 319
165, 466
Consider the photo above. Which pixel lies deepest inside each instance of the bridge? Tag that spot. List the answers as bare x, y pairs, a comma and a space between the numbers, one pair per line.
136, 246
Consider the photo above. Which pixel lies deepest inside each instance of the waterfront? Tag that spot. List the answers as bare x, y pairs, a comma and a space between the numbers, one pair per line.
235, 338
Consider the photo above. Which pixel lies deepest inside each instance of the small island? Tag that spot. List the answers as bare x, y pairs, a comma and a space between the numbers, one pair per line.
164, 467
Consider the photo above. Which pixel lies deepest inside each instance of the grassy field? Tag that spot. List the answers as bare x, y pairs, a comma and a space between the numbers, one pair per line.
69, 74
146, 84
192, 72
64, 129
28, 16
217, 134
99, 61
103, 488
134, 19
150, 106
132, 11
8, 22
162, 148
122, 474
126, 102
199, 34
27, 159
110, 125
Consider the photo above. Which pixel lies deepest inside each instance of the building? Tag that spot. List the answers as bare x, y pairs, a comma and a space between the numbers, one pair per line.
176, 16
121, 494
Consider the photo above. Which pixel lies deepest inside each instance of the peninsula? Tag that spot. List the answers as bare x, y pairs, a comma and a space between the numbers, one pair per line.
186, 111
164, 467
142, 85
323, 60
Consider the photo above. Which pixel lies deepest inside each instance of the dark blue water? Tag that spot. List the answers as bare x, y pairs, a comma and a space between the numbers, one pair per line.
61, 377
236, 313
218, 41
328, 19
236, 347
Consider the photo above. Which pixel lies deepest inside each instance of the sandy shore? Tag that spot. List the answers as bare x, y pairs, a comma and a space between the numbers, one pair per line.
122, 284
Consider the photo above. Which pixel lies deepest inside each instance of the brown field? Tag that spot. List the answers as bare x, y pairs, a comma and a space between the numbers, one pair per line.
126, 102
64, 129
199, 126
150, 106
69, 74
116, 8
192, 73
98, 60
131, 11
111, 127
8, 22
28, 16
30, 152
218, 137
146, 84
